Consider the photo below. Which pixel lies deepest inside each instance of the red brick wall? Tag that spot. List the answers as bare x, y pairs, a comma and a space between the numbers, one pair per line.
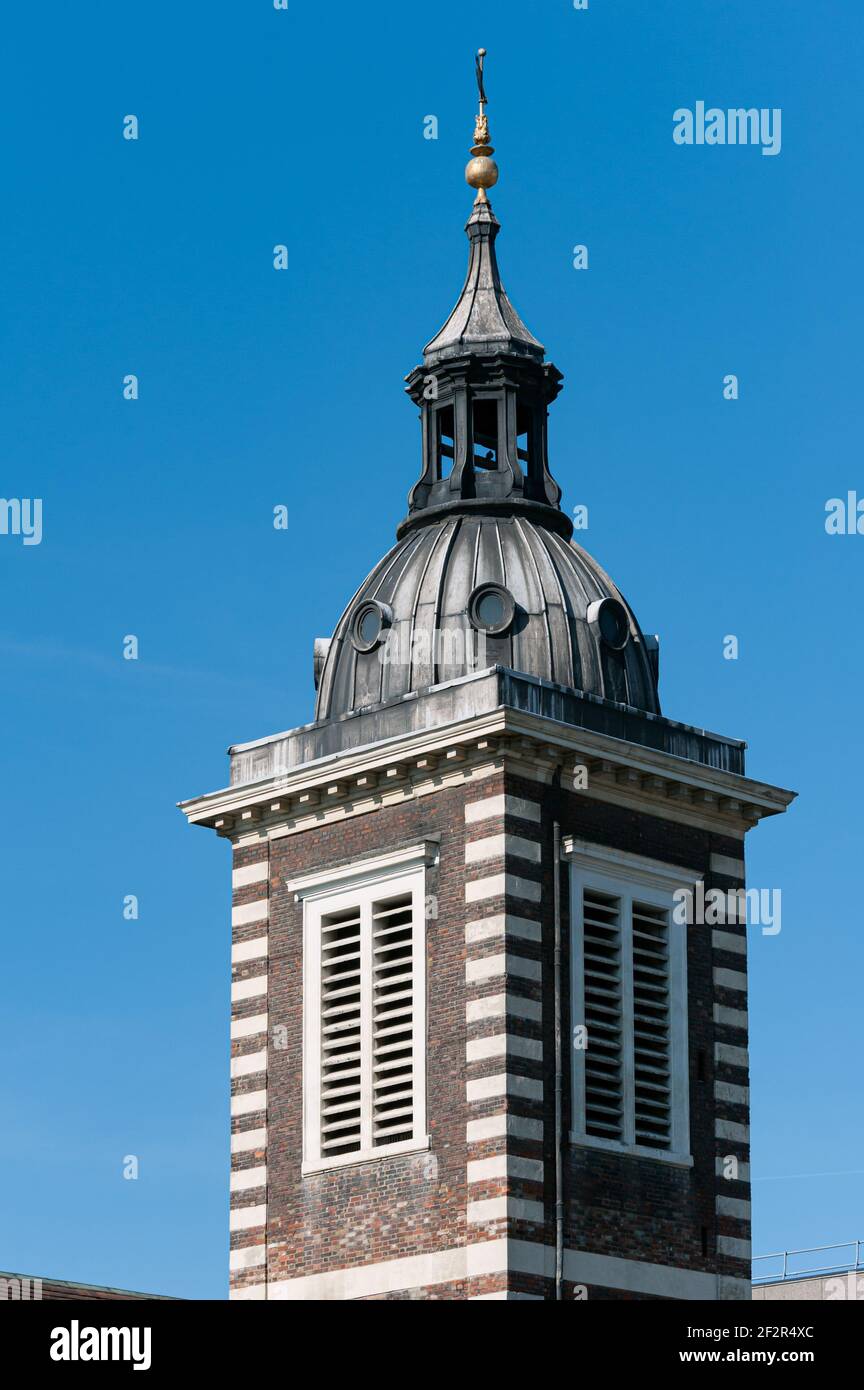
404, 1205
409, 1205
245, 857
628, 1206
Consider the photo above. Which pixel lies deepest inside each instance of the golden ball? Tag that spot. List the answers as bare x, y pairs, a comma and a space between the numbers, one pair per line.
481, 172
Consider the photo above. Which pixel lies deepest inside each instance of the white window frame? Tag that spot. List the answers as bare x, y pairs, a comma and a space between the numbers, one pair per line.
629, 877
328, 891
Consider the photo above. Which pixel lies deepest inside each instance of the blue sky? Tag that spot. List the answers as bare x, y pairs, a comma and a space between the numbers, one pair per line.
260, 388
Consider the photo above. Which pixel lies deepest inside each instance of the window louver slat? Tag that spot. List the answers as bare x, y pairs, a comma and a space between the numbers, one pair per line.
604, 1100
651, 1038
393, 1020
340, 1034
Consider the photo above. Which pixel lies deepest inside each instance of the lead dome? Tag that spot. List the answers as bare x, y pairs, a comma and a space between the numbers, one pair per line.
484, 571
423, 587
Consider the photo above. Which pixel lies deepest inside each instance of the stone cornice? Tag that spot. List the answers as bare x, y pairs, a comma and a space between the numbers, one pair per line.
542, 749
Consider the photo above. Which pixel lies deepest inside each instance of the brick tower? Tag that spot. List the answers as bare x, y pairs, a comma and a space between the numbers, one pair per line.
476, 1054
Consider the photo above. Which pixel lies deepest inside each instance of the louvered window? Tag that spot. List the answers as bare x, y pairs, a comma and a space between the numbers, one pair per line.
629, 1015
364, 1022
604, 1062
652, 1079
341, 1033
392, 1021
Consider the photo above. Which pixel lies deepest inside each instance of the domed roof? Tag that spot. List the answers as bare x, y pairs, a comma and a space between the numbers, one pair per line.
484, 572
419, 620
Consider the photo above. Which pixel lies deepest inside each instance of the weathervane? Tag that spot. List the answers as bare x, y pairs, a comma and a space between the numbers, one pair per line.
482, 171
478, 67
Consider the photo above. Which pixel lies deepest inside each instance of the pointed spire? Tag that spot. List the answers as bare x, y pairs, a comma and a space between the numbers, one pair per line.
483, 320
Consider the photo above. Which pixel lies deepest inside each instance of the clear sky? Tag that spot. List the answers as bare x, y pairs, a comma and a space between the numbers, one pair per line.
260, 388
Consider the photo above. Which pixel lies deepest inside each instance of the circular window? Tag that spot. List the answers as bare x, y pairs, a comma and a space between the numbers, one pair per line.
608, 619
368, 624
491, 608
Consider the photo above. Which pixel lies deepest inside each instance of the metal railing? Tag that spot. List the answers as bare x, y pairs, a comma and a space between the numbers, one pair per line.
789, 1268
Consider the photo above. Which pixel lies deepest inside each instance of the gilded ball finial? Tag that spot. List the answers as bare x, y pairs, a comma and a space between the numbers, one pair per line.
482, 171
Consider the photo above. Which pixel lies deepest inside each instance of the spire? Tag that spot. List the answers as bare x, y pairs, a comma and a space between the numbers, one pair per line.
483, 320
484, 386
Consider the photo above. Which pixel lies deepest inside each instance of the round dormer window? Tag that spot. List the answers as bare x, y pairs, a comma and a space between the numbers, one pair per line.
491, 609
369, 623
608, 620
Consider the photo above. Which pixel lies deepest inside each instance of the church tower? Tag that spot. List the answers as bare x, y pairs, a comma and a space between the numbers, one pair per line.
485, 1041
